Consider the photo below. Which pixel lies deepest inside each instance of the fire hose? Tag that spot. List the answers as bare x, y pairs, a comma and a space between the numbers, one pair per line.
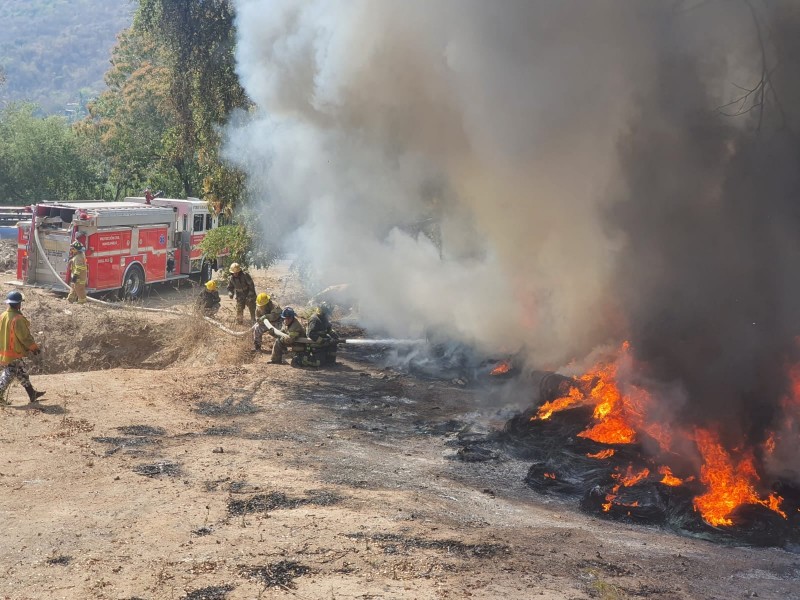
66, 288
275, 332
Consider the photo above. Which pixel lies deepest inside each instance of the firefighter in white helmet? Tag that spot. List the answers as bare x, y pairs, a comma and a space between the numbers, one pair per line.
79, 273
268, 316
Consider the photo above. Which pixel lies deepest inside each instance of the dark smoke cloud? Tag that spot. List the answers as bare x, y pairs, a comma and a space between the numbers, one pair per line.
544, 175
710, 217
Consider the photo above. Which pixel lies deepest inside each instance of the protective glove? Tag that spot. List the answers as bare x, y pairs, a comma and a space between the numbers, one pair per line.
36, 352
73, 279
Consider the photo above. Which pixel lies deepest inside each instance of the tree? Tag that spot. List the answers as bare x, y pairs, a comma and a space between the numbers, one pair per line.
198, 38
133, 124
230, 240
44, 159
242, 242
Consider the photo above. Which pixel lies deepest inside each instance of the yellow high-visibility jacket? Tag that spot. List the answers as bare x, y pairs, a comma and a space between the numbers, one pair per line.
16, 340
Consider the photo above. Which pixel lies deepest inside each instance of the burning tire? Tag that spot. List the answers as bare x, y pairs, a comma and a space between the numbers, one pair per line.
132, 284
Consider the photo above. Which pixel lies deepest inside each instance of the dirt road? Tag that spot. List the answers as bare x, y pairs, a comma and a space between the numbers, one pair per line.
213, 474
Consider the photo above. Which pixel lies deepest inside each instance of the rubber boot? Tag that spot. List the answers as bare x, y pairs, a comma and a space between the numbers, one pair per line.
256, 348
33, 395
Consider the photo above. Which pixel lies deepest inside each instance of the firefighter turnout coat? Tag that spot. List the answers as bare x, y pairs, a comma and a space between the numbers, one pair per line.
242, 285
77, 266
271, 312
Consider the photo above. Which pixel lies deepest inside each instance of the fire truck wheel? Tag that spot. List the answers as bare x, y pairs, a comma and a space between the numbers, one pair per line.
133, 284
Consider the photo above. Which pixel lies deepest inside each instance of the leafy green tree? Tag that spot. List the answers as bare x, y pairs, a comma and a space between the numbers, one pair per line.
241, 242
44, 159
133, 124
232, 241
171, 85
198, 38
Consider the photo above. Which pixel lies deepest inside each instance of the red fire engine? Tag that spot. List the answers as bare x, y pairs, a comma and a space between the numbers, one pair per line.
128, 244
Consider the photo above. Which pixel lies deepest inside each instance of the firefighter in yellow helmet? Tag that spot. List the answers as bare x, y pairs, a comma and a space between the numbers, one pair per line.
79, 273
242, 287
208, 302
268, 316
16, 343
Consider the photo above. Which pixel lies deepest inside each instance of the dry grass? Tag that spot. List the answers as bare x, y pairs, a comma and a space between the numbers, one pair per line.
93, 337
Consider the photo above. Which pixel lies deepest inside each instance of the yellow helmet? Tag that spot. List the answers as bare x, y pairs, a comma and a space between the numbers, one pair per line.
235, 268
262, 299
211, 286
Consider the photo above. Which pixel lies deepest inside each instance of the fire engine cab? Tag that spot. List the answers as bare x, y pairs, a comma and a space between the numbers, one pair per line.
128, 244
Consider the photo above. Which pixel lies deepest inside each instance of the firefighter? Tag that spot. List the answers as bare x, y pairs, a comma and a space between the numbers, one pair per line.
79, 273
320, 331
16, 342
268, 316
208, 302
241, 285
292, 330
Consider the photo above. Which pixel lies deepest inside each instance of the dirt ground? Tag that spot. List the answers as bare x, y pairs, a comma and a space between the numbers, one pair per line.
167, 462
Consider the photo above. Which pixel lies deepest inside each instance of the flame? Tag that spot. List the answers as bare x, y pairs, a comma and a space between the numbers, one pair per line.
628, 479
603, 454
669, 478
610, 431
550, 475
623, 413
617, 416
769, 444
547, 409
503, 367
729, 483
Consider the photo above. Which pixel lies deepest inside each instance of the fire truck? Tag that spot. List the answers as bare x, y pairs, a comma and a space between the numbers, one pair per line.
129, 244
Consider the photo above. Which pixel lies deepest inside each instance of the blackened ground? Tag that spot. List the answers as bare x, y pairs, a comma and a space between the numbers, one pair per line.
560, 465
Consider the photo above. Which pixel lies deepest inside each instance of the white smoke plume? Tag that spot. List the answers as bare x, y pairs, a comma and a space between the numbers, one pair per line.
490, 127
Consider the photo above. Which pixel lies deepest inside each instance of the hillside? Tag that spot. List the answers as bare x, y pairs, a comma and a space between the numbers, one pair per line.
55, 52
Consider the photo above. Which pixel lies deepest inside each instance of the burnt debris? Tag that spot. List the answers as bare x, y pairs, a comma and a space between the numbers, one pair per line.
393, 543
238, 403
261, 503
280, 574
622, 482
157, 469
214, 592
142, 430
